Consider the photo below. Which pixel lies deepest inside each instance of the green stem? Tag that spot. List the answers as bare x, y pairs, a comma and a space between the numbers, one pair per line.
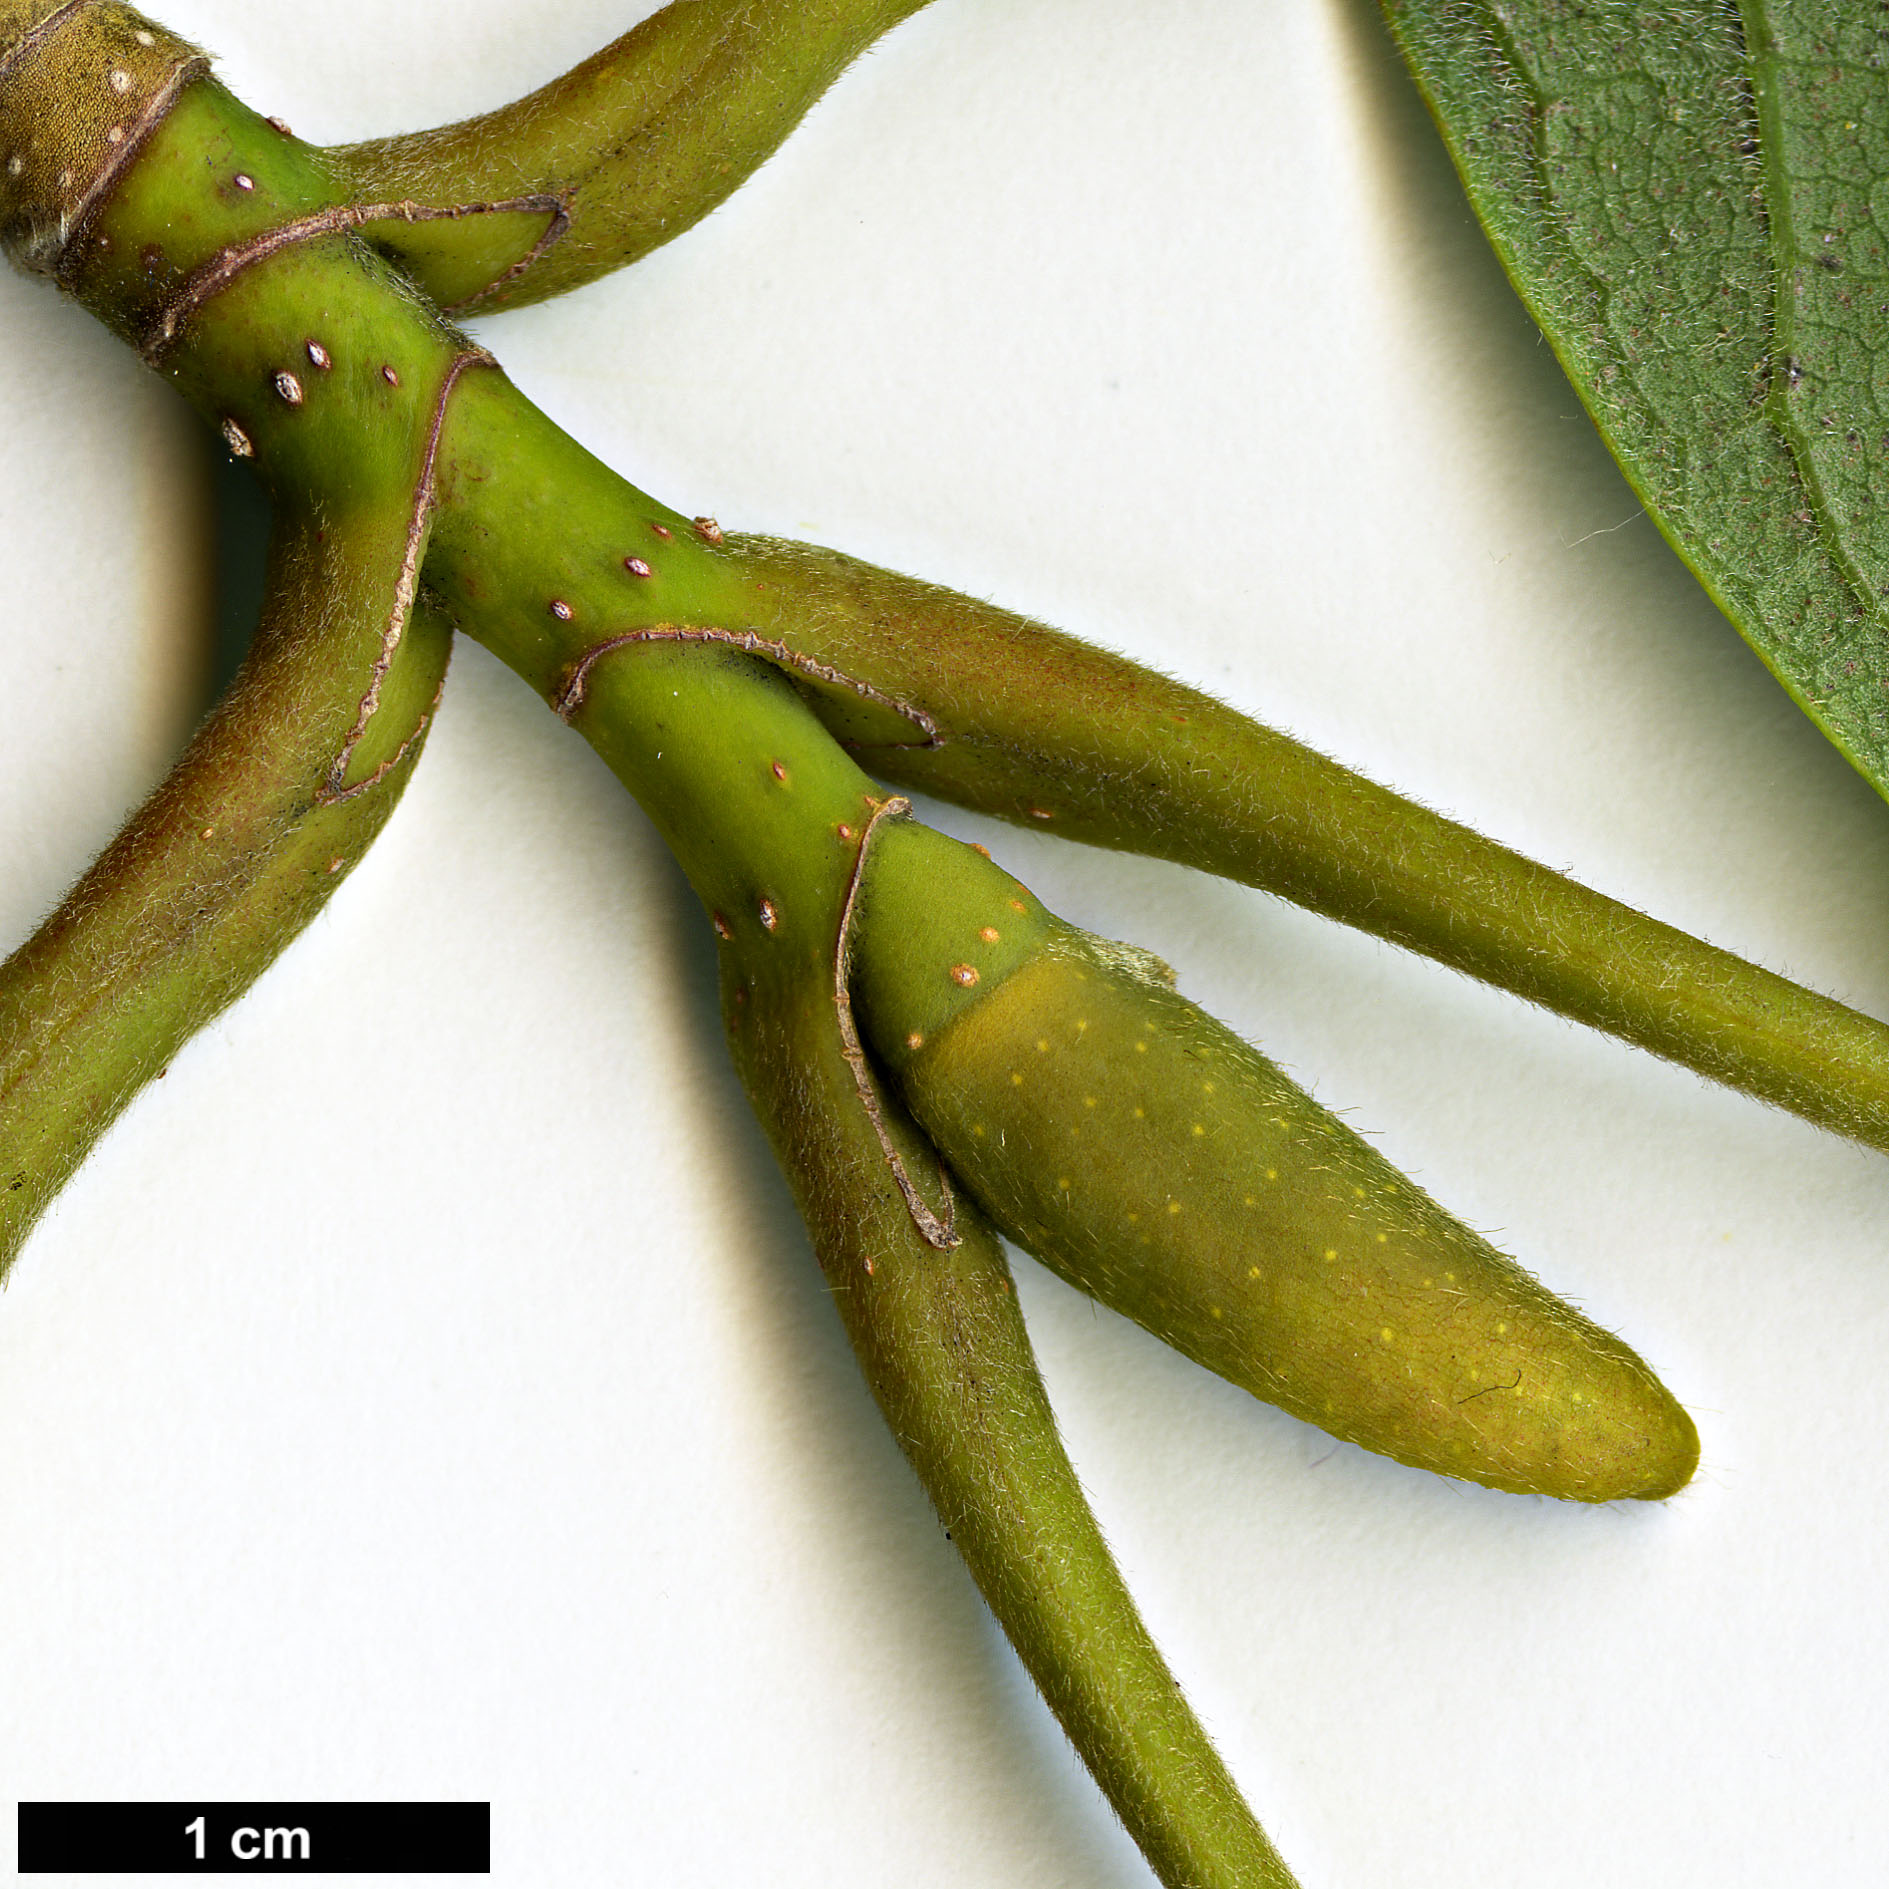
944, 1350
772, 824
1042, 730
299, 766
241, 846
631, 148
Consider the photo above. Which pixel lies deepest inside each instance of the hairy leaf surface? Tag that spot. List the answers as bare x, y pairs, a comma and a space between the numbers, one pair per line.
1692, 199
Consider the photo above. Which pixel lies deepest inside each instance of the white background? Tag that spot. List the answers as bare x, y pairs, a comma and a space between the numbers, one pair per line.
426, 1389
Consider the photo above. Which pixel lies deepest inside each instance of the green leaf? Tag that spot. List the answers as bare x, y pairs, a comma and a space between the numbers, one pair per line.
1684, 197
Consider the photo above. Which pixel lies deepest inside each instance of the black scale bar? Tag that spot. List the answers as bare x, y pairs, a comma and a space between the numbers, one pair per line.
255, 1839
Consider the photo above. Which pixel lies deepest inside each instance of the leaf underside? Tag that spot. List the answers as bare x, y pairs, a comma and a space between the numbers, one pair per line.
1693, 200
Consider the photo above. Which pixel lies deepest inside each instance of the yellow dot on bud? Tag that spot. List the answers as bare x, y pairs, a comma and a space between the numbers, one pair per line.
989, 934
1141, 1049
1016, 1078
1198, 1129
1250, 1201
1502, 1325
1387, 1334
1331, 1252
1141, 1114
1062, 1182
916, 1040
1272, 1174
1042, 1045
1252, 1272
1383, 1239
1088, 1101
1174, 1206
1215, 1310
